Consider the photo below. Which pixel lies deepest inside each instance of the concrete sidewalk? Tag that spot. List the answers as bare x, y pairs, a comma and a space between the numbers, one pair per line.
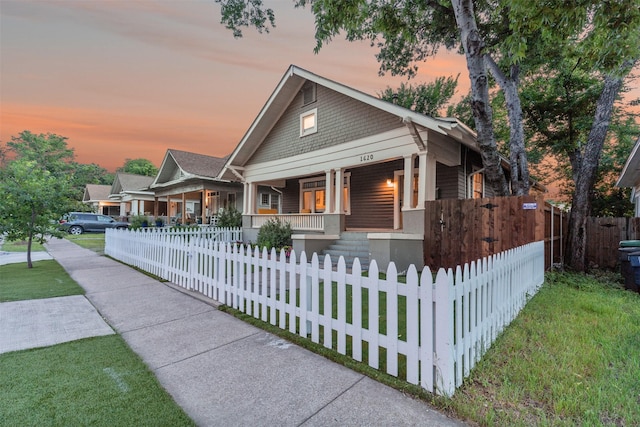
224, 372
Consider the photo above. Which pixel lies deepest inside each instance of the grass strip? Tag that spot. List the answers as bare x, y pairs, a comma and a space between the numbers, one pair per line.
95, 381
47, 279
21, 246
92, 241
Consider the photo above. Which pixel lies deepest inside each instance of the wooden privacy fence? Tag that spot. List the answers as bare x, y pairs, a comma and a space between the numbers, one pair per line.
459, 231
427, 331
603, 239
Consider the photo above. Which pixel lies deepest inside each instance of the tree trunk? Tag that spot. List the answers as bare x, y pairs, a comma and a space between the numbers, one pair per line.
30, 240
518, 154
480, 105
587, 166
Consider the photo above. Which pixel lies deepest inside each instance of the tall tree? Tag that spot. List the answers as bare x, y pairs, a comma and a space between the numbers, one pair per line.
139, 167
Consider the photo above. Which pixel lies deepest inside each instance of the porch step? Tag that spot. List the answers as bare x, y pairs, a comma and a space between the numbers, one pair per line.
351, 245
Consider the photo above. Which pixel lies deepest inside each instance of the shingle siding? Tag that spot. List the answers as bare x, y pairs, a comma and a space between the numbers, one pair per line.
371, 197
340, 119
449, 179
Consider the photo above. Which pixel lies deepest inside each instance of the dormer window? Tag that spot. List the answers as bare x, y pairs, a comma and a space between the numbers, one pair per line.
309, 122
308, 93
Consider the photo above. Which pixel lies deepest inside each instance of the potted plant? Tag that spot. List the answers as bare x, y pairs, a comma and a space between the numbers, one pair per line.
159, 222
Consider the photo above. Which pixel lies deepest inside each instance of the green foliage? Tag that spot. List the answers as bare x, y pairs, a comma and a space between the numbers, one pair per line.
229, 218
33, 199
274, 234
49, 151
139, 167
426, 98
237, 14
138, 221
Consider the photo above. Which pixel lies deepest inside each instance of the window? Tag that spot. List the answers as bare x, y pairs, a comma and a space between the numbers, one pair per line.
308, 122
313, 194
308, 93
264, 199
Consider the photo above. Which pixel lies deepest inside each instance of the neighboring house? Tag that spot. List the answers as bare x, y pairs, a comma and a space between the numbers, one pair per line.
630, 176
97, 196
336, 160
189, 183
131, 192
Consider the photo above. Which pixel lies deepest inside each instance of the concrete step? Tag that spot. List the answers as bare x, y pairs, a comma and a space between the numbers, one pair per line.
351, 245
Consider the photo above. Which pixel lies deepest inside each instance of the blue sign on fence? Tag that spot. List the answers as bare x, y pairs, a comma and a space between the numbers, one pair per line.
530, 206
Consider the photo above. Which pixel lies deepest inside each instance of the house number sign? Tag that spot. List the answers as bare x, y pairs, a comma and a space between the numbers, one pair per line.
366, 157
527, 206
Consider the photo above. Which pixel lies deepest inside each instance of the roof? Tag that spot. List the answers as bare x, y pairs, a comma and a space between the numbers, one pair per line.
124, 182
96, 192
290, 85
179, 166
198, 164
630, 176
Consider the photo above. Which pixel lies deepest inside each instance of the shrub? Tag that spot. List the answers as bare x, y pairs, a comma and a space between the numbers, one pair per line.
229, 218
139, 221
274, 234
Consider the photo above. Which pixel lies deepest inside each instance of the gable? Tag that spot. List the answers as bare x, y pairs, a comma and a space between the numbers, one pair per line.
340, 119
169, 171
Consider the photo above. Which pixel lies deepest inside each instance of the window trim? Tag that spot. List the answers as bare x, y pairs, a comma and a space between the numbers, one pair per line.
321, 181
311, 130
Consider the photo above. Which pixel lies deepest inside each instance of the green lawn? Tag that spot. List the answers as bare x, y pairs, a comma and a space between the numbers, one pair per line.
572, 357
21, 246
95, 381
47, 279
93, 241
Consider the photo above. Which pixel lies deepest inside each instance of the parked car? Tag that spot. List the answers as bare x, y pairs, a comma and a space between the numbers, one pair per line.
81, 222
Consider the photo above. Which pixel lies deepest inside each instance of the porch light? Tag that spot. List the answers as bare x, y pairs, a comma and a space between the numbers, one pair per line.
389, 183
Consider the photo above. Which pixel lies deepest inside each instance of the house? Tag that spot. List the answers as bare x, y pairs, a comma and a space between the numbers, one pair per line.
131, 192
97, 197
188, 184
349, 170
630, 176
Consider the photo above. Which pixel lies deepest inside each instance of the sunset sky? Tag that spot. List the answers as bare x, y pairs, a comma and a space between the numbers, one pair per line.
130, 79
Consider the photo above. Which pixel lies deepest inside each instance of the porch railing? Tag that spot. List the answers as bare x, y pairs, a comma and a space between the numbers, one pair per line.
306, 222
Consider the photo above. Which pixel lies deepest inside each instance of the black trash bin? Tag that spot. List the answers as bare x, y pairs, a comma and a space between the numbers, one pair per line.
634, 261
626, 248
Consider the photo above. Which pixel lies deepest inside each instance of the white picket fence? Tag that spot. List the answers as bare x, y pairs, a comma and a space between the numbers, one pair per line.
427, 331
220, 234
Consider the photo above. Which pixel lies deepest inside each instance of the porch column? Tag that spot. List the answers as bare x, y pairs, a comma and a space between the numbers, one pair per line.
339, 198
251, 198
155, 206
407, 195
203, 206
245, 198
184, 208
329, 190
422, 178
